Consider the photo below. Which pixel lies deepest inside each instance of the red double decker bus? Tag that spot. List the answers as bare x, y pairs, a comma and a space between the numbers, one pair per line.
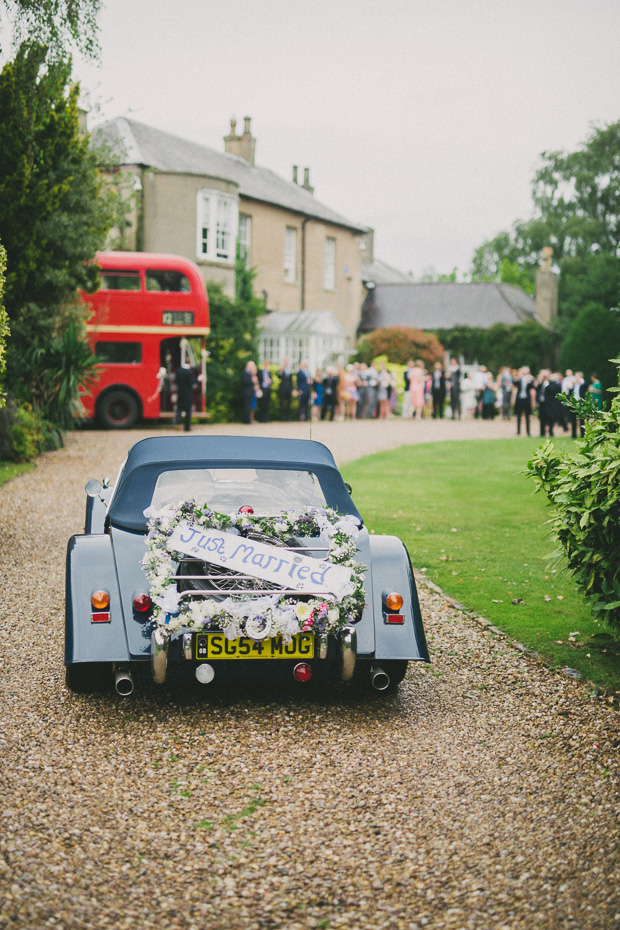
149, 316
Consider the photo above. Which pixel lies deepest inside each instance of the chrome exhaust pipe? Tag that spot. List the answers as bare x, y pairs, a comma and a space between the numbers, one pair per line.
123, 681
159, 657
379, 679
348, 653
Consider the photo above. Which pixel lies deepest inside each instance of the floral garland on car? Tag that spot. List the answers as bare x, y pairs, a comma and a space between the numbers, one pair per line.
255, 616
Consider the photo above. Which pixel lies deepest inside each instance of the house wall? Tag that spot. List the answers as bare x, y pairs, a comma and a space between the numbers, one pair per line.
269, 225
162, 217
170, 219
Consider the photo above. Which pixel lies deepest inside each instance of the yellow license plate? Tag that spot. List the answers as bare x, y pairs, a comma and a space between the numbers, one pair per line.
217, 646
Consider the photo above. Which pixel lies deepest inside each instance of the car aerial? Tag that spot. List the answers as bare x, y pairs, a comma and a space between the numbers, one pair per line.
231, 558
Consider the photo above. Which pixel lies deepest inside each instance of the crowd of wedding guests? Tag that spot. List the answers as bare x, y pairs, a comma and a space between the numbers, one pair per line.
360, 391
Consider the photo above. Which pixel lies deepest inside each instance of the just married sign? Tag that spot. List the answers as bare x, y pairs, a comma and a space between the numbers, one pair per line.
260, 560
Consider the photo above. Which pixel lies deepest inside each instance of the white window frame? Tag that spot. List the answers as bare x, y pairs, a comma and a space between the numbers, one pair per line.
329, 266
245, 237
217, 218
290, 254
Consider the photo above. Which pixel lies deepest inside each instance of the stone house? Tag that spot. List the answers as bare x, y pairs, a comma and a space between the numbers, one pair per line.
194, 201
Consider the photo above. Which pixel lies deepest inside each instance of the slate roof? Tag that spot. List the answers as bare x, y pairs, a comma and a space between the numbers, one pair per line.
303, 323
379, 272
138, 144
443, 306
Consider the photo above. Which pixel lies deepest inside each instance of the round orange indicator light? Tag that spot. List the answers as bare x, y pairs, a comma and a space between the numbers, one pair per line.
394, 602
100, 600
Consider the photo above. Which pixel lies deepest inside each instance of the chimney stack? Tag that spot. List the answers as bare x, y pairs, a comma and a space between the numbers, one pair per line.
306, 185
243, 146
295, 181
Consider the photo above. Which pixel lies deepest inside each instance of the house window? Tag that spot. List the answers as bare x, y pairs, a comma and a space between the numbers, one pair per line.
245, 237
290, 254
217, 226
329, 267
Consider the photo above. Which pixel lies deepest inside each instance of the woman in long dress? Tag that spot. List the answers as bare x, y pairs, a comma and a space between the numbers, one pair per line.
416, 389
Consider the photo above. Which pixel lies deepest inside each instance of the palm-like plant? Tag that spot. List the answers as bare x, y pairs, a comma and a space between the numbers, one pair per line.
59, 373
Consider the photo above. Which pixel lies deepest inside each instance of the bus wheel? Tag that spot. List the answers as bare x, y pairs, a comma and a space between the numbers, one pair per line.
118, 410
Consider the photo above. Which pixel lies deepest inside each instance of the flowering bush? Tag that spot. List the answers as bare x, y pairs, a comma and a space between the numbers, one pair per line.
399, 344
257, 616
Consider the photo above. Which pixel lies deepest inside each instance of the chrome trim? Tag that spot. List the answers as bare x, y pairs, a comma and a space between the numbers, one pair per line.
159, 656
379, 679
188, 640
123, 680
323, 646
348, 653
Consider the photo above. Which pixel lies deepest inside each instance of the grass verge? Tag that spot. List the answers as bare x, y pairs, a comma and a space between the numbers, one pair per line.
472, 523
9, 470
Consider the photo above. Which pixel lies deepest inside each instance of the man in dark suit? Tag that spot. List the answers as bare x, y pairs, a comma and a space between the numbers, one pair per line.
526, 390
438, 390
264, 383
554, 407
304, 382
330, 394
185, 379
542, 383
285, 390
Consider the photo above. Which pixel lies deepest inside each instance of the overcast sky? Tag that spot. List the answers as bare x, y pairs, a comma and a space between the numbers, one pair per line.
422, 118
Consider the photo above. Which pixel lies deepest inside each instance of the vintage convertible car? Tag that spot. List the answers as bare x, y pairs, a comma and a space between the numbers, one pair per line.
226, 558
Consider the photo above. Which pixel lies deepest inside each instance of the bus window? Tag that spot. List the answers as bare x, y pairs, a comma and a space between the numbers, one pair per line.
120, 280
123, 353
161, 280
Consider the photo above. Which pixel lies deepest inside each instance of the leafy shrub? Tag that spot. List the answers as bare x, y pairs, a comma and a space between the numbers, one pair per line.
57, 372
232, 343
590, 343
399, 344
584, 489
526, 343
24, 435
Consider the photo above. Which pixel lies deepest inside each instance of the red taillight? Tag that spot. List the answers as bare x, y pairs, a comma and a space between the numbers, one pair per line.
302, 671
100, 616
246, 509
394, 602
142, 603
100, 600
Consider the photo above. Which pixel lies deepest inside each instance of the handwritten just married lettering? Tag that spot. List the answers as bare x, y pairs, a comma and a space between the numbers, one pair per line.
260, 560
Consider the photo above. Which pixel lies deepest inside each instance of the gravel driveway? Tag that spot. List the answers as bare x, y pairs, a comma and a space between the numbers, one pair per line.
484, 794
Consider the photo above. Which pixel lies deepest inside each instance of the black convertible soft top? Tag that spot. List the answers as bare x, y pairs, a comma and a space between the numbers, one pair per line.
149, 457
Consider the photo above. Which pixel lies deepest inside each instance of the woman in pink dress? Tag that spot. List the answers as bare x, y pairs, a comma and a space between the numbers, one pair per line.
416, 389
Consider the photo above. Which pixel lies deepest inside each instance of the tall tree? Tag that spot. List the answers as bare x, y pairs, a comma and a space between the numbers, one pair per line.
576, 210
56, 209
57, 24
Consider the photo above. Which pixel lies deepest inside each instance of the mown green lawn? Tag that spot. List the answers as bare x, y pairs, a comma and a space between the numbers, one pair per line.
471, 522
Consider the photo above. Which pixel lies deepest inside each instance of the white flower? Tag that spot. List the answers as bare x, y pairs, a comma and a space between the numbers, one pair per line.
333, 615
169, 600
303, 611
289, 622
281, 527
